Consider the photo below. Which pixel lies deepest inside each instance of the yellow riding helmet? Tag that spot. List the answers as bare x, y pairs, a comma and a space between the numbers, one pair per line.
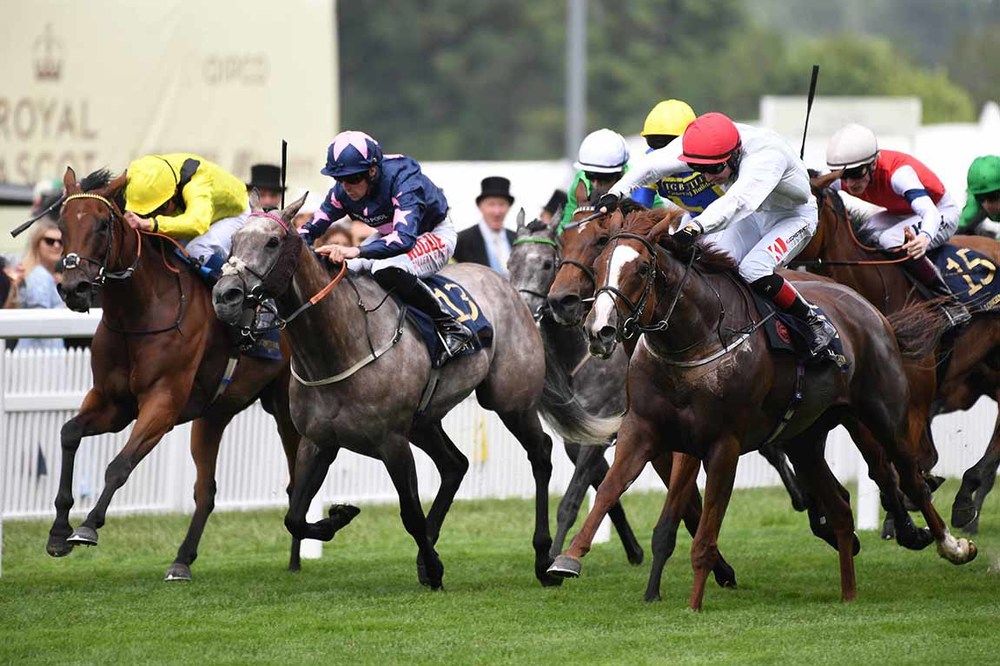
670, 117
151, 183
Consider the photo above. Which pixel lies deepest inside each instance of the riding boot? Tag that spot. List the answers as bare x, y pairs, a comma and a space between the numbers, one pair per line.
927, 274
454, 334
209, 267
788, 299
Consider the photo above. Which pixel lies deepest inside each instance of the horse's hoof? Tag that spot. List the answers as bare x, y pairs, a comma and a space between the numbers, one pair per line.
178, 571
430, 576
58, 547
725, 576
962, 515
549, 581
565, 566
83, 536
856, 545
888, 532
651, 597
341, 515
973, 527
636, 557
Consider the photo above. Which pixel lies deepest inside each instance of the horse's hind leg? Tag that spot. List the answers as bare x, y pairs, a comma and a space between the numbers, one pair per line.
452, 465
156, 417
96, 416
526, 427
274, 399
977, 482
398, 461
206, 433
682, 488
311, 465
590, 467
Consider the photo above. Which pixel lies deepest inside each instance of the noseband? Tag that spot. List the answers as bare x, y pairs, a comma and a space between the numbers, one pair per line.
631, 324
72, 260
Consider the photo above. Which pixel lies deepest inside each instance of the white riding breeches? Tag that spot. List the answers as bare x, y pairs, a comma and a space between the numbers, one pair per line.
767, 240
218, 239
887, 229
428, 255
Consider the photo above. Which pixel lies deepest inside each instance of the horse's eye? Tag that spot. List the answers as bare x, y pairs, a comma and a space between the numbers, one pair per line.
272, 241
643, 270
602, 241
547, 265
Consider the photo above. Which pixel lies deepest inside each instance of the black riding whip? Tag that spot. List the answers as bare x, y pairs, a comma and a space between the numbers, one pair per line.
284, 168
809, 106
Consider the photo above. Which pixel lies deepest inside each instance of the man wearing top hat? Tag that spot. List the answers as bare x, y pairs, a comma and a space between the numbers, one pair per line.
556, 203
488, 243
267, 179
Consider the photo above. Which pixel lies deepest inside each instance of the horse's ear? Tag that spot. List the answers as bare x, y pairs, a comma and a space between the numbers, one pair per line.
520, 220
254, 199
289, 211
69, 181
556, 218
116, 185
660, 230
818, 182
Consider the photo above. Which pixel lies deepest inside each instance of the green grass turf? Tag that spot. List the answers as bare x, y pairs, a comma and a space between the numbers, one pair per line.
362, 603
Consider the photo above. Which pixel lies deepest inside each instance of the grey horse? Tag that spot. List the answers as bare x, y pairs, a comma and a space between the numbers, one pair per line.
361, 372
597, 385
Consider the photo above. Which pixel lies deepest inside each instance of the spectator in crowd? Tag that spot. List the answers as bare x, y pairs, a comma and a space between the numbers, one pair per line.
556, 203
267, 179
8, 289
488, 243
337, 234
37, 288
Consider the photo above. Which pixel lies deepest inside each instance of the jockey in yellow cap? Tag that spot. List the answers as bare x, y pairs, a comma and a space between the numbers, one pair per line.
190, 199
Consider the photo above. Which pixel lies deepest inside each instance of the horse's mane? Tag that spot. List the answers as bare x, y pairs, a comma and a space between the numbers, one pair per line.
95, 180
710, 259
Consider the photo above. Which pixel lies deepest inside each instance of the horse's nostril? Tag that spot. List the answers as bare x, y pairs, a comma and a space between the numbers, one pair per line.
230, 296
570, 301
606, 334
82, 288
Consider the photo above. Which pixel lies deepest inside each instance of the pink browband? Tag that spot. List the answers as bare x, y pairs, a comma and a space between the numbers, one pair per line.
277, 218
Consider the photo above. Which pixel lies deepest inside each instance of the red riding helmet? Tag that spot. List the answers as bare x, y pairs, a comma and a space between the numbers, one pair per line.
710, 139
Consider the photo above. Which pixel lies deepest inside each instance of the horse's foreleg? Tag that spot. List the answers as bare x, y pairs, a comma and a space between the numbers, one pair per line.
776, 457
633, 451
720, 469
398, 461
526, 427
311, 465
157, 415
206, 433
96, 416
681, 478
977, 482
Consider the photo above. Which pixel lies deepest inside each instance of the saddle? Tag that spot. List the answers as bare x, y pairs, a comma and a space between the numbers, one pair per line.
788, 334
454, 298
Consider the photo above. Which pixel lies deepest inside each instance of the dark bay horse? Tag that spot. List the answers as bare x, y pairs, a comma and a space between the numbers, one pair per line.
361, 371
703, 382
972, 368
158, 357
572, 290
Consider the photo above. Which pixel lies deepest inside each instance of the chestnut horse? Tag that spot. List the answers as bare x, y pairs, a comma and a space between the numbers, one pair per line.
702, 382
158, 357
972, 367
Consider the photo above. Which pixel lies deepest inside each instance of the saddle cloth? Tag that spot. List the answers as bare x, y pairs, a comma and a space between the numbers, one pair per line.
455, 299
971, 276
786, 333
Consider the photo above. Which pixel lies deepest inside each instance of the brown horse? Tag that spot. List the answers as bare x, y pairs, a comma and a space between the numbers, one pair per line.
158, 357
970, 357
702, 376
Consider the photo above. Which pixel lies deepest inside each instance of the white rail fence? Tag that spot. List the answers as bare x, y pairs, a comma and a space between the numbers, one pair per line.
40, 390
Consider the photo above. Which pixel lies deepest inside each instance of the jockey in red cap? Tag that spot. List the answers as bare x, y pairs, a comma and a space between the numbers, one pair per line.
766, 216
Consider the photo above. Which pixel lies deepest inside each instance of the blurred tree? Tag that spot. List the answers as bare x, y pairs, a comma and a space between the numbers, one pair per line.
975, 63
851, 65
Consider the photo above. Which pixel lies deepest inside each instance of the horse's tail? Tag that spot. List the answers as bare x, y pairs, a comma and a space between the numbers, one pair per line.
561, 410
919, 328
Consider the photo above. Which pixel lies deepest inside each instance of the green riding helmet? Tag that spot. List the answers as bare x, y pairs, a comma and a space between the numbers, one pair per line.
984, 175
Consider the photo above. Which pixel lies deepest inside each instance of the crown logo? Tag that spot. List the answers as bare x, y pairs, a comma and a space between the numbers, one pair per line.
48, 56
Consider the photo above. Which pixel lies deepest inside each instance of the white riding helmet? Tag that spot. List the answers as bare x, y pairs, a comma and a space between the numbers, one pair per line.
851, 146
603, 151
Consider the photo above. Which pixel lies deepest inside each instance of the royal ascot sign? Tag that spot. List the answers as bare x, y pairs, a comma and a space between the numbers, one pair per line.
95, 84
